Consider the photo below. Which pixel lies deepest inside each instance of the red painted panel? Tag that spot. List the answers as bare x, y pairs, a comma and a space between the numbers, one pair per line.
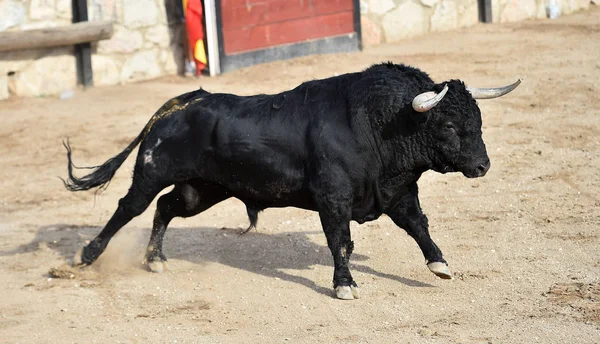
280, 10
261, 36
238, 17
264, 12
233, 3
331, 6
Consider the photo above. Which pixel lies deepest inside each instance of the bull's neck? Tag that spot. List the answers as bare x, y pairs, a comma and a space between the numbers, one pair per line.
409, 153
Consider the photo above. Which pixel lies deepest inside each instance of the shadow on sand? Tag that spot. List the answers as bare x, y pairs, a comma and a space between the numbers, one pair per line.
256, 252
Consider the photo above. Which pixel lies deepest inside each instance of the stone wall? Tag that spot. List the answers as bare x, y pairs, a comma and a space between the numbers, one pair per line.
504, 11
140, 47
386, 21
138, 50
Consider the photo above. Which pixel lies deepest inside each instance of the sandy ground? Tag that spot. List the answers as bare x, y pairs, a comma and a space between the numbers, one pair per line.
523, 242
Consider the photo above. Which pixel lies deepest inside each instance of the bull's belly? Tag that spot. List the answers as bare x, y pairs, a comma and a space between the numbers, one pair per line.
261, 177
268, 193
278, 196
276, 199
365, 215
268, 187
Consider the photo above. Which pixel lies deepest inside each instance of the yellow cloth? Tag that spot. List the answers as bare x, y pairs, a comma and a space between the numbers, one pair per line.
199, 52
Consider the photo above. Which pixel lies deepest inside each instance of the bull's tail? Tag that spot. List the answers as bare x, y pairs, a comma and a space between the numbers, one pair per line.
102, 174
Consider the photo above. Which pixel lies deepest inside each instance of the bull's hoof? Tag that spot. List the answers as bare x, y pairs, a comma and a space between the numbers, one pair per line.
344, 293
78, 258
347, 292
157, 265
87, 254
440, 270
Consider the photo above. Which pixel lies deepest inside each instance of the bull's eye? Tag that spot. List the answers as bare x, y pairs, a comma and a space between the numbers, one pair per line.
449, 126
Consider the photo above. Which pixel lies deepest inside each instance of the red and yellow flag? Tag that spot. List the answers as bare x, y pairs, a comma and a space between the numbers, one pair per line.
195, 31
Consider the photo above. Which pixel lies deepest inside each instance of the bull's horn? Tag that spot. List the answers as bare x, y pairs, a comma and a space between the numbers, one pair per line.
489, 93
426, 101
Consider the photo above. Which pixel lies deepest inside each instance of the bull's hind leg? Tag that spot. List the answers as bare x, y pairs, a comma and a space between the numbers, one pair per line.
140, 195
185, 200
407, 214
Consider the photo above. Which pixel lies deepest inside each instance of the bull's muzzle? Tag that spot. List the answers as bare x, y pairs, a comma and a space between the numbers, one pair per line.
483, 168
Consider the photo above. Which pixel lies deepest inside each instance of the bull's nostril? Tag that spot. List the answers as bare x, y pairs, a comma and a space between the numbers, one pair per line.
483, 168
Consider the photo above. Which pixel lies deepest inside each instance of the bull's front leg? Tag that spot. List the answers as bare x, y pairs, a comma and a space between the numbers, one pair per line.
336, 225
408, 215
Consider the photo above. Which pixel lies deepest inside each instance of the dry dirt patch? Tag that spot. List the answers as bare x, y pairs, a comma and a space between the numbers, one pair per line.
582, 298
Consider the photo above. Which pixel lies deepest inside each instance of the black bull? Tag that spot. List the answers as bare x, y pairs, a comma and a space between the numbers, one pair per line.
350, 147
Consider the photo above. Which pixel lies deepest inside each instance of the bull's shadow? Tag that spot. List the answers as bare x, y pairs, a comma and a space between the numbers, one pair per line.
256, 251
62, 238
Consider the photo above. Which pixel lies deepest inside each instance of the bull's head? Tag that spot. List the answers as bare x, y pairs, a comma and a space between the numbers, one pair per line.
455, 125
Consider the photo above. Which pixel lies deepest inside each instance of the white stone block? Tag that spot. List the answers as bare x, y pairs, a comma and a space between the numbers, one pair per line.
429, 3
371, 32
119, 11
122, 41
141, 66
381, 6
106, 70
444, 17
162, 12
12, 13
496, 11
158, 34
13, 61
468, 13
41, 9
140, 13
517, 10
64, 9
406, 20
49, 75
103, 9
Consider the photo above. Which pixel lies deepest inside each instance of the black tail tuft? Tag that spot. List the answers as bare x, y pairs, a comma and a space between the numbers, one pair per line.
101, 175
253, 217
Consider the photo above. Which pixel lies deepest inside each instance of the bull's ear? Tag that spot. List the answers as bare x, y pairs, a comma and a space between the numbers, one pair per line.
426, 101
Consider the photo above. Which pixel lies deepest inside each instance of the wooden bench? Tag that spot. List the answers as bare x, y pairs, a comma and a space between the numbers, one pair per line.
82, 32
